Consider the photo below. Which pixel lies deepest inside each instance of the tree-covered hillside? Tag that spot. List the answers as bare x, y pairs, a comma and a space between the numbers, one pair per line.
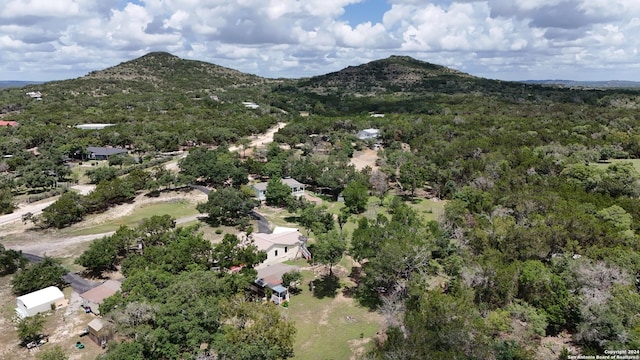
538, 240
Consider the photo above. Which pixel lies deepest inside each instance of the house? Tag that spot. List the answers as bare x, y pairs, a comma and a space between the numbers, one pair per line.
271, 277
92, 299
99, 331
281, 245
368, 134
297, 188
43, 300
93, 126
250, 105
103, 153
8, 123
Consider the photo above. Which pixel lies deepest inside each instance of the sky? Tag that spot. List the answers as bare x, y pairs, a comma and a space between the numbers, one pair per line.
42, 40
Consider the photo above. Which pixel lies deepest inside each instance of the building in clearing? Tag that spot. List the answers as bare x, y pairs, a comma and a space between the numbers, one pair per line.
103, 153
368, 134
297, 188
281, 245
100, 331
92, 299
271, 277
43, 300
92, 126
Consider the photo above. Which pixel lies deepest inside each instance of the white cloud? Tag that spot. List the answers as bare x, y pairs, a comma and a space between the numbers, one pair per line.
509, 39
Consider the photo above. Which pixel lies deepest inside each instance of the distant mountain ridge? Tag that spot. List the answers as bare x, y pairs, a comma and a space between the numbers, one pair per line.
162, 67
587, 84
4, 84
393, 74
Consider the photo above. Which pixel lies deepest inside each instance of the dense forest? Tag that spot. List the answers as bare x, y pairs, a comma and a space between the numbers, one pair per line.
539, 235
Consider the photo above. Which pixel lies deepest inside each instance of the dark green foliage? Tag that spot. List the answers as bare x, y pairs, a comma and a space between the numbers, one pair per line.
101, 173
256, 332
68, 209
278, 194
227, 206
291, 278
48, 272
11, 261
329, 249
233, 252
30, 328
356, 197
213, 167
105, 253
7, 204
316, 219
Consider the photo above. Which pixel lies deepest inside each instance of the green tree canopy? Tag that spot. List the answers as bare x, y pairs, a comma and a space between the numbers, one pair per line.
48, 272
227, 206
278, 193
356, 197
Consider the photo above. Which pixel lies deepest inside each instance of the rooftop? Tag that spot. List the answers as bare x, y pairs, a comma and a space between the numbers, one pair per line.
105, 151
101, 292
48, 294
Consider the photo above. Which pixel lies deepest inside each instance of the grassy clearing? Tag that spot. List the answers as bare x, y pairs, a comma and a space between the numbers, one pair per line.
79, 172
604, 165
428, 208
331, 327
211, 233
177, 209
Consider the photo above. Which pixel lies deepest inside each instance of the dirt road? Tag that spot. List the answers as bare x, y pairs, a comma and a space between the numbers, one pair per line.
262, 139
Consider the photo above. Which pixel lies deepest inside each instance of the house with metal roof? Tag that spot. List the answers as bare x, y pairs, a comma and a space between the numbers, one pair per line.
39, 301
103, 153
297, 188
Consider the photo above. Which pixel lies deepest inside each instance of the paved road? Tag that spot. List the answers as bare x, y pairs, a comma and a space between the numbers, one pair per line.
77, 282
263, 223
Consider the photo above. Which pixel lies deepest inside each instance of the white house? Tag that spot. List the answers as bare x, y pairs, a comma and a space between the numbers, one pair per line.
93, 126
368, 134
39, 301
297, 188
250, 105
281, 245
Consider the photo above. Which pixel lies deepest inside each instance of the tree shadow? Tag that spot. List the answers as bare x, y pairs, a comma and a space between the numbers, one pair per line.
326, 286
292, 219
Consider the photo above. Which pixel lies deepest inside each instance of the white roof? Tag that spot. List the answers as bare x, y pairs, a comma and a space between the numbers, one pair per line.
266, 241
43, 296
283, 229
93, 126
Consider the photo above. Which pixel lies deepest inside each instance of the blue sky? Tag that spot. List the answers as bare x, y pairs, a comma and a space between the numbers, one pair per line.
498, 39
367, 10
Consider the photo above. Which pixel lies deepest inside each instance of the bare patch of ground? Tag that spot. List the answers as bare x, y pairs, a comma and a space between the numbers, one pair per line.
261, 139
364, 158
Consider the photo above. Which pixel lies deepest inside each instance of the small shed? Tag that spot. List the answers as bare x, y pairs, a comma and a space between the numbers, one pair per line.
279, 294
100, 332
43, 300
